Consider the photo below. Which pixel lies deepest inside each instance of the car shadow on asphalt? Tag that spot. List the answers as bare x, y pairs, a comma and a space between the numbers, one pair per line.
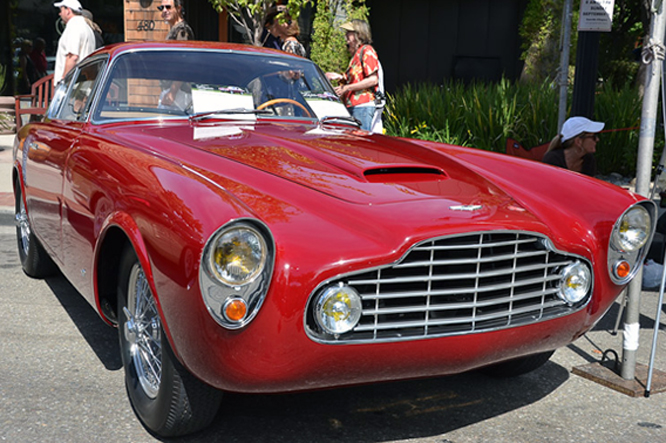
378, 412
102, 338
368, 413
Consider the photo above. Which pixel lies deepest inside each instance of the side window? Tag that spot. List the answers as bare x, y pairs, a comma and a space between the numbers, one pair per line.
58, 98
77, 102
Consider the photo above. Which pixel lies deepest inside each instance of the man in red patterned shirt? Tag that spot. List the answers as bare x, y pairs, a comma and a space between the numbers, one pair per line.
357, 86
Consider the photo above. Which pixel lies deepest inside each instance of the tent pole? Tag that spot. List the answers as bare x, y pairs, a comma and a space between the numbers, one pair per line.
653, 56
565, 50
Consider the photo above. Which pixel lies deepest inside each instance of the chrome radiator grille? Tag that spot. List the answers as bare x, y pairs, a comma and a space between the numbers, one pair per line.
457, 285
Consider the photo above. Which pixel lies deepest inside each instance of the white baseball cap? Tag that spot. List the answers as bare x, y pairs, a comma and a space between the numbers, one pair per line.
577, 125
74, 5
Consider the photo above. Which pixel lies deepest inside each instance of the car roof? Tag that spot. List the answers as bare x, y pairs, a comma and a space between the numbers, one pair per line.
118, 48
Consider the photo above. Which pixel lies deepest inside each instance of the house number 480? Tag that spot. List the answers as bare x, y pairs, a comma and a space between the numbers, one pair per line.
145, 25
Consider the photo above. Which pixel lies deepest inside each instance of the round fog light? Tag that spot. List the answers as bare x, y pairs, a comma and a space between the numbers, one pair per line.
338, 309
575, 282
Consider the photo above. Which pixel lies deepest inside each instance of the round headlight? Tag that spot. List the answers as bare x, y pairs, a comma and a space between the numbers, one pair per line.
633, 229
338, 309
575, 282
238, 255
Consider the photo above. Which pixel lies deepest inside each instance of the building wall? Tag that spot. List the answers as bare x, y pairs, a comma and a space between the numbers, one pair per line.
433, 40
143, 21
417, 40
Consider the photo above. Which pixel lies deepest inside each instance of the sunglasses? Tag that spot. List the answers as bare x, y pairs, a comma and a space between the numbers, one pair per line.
594, 136
161, 7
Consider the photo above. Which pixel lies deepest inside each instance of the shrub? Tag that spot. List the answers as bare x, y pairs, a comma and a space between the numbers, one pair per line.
329, 48
484, 115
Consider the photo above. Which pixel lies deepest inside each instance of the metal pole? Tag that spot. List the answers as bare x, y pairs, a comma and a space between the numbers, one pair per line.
564, 62
643, 172
657, 319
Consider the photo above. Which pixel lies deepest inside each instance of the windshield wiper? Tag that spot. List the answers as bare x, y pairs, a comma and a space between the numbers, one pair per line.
208, 114
340, 119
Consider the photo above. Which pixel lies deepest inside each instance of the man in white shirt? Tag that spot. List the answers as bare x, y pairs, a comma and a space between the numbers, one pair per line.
76, 42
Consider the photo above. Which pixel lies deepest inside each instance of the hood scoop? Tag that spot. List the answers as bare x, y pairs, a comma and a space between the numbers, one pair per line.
404, 174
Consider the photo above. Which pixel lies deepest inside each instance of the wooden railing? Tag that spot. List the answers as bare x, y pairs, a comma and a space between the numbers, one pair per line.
38, 102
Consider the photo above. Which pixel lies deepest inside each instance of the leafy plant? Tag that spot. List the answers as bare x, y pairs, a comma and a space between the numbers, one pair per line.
619, 48
484, 115
5, 119
621, 110
3, 78
541, 30
329, 49
249, 15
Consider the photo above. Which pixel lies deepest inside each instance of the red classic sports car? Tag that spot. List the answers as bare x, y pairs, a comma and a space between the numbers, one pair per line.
219, 206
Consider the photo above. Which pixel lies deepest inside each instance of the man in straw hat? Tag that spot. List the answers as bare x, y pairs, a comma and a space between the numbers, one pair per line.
358, 85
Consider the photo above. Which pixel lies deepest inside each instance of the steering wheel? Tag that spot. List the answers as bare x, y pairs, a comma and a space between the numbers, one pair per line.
276, 101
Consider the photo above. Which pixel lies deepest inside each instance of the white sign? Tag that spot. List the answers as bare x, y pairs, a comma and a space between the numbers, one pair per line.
210, 100
596, 15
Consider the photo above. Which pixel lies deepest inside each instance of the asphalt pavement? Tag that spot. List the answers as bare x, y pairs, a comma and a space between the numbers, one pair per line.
552, 404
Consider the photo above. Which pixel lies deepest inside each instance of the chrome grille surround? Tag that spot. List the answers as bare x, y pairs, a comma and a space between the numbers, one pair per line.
460, 284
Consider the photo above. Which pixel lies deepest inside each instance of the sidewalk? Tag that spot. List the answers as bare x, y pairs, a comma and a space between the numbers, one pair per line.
6, 191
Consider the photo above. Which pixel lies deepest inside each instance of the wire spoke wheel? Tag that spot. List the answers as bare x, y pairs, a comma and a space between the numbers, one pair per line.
142, 331
35, 261
168, 400
22, 227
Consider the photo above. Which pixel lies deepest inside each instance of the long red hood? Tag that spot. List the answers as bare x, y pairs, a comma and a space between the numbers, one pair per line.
348, 165
438, 187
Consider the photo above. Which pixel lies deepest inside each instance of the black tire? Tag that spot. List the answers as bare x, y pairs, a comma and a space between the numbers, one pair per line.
169, 402
35, 261
518, 366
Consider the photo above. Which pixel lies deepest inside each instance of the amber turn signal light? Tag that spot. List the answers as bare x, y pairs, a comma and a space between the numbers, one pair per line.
622, 269
235, 309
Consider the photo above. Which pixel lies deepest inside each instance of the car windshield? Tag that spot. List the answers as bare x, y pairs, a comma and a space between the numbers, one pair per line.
203, 84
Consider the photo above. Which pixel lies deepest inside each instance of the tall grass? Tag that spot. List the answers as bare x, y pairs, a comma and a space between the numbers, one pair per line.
484, 115
621, 109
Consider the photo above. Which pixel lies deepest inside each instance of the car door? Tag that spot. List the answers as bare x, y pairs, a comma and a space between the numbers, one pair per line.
79, 173
48, 149
44, 149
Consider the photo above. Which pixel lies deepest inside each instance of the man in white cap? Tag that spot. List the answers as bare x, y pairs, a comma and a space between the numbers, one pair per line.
76, 42
574, 148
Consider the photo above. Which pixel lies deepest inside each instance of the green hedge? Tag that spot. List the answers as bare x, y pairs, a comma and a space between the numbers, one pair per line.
484, 115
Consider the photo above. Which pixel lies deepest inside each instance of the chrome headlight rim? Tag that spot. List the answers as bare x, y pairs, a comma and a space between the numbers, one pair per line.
225, 235
618, 258
621, 238
219, 294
